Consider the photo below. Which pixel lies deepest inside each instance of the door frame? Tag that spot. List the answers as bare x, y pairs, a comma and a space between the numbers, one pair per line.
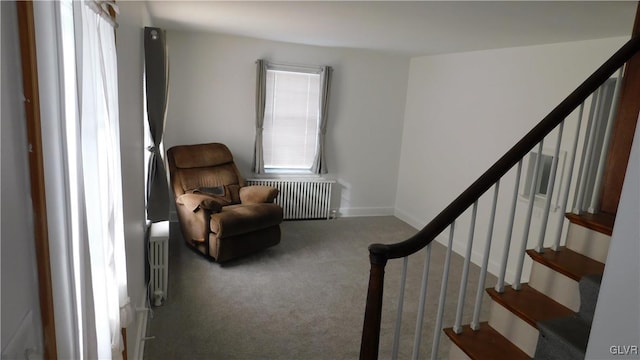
27, 37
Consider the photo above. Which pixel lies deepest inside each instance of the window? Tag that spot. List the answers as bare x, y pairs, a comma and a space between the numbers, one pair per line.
93, 179
291, 118
542, 186
291, 114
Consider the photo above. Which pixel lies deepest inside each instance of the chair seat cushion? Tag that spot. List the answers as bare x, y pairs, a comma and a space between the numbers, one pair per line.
243, 218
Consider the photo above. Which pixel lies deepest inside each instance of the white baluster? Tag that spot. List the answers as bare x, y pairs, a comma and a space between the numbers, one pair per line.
457, 328
508, 238
584, 161
421, 304
591, 155
550, 186
443, 295
475, 323
525, 234
396, 338
595, 197
567, 184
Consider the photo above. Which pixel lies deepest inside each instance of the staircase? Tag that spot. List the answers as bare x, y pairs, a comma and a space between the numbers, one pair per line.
550, 317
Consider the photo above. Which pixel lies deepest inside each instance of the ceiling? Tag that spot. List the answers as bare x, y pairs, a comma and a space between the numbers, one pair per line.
406, 27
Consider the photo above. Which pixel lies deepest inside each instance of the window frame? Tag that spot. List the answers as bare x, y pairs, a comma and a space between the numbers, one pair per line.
527, 178
300, 69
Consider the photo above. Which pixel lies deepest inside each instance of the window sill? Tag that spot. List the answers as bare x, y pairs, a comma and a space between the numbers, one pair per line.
295, 172
539, 201
300, 175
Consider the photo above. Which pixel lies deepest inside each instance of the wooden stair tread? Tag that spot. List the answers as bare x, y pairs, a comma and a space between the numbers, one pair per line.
602, 223
568, 262
529, 304
486, 343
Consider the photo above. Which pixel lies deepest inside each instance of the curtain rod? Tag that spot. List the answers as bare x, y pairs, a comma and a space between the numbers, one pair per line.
102, 8
277, 64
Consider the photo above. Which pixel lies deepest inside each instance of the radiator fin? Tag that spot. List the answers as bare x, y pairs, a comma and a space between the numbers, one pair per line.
301, 198
159, 260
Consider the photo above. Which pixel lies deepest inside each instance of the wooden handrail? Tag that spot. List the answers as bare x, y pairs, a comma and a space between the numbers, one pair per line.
379, 254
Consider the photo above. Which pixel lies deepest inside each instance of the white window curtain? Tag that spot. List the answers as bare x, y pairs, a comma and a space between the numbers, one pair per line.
100, 149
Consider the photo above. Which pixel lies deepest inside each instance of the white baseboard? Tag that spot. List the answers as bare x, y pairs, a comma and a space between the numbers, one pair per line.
459, 246
404, 216
362, 211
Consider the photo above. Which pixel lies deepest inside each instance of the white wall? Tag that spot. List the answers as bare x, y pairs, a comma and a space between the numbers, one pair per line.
19, 276
466, 110
212, 99
616, 323
132, 19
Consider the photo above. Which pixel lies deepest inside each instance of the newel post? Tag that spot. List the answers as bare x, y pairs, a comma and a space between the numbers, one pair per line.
373, 311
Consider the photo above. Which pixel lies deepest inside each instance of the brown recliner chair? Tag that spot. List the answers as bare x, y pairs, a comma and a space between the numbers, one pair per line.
220, 216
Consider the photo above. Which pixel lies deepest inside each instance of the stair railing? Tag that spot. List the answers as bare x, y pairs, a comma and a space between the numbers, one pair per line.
588, 94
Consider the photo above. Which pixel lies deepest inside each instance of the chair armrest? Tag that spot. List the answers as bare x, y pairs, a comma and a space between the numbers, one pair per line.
255, 194
197, 201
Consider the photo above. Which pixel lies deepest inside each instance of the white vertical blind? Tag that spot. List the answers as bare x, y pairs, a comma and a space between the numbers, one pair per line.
292, 110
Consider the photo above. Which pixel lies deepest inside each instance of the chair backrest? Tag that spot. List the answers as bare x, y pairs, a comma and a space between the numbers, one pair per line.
202, 165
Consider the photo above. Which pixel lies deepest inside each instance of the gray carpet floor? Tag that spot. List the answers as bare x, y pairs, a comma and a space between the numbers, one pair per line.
302, 299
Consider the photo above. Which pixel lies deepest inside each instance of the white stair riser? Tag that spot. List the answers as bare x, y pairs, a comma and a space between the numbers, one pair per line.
555, 285
588, 242
512, 327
